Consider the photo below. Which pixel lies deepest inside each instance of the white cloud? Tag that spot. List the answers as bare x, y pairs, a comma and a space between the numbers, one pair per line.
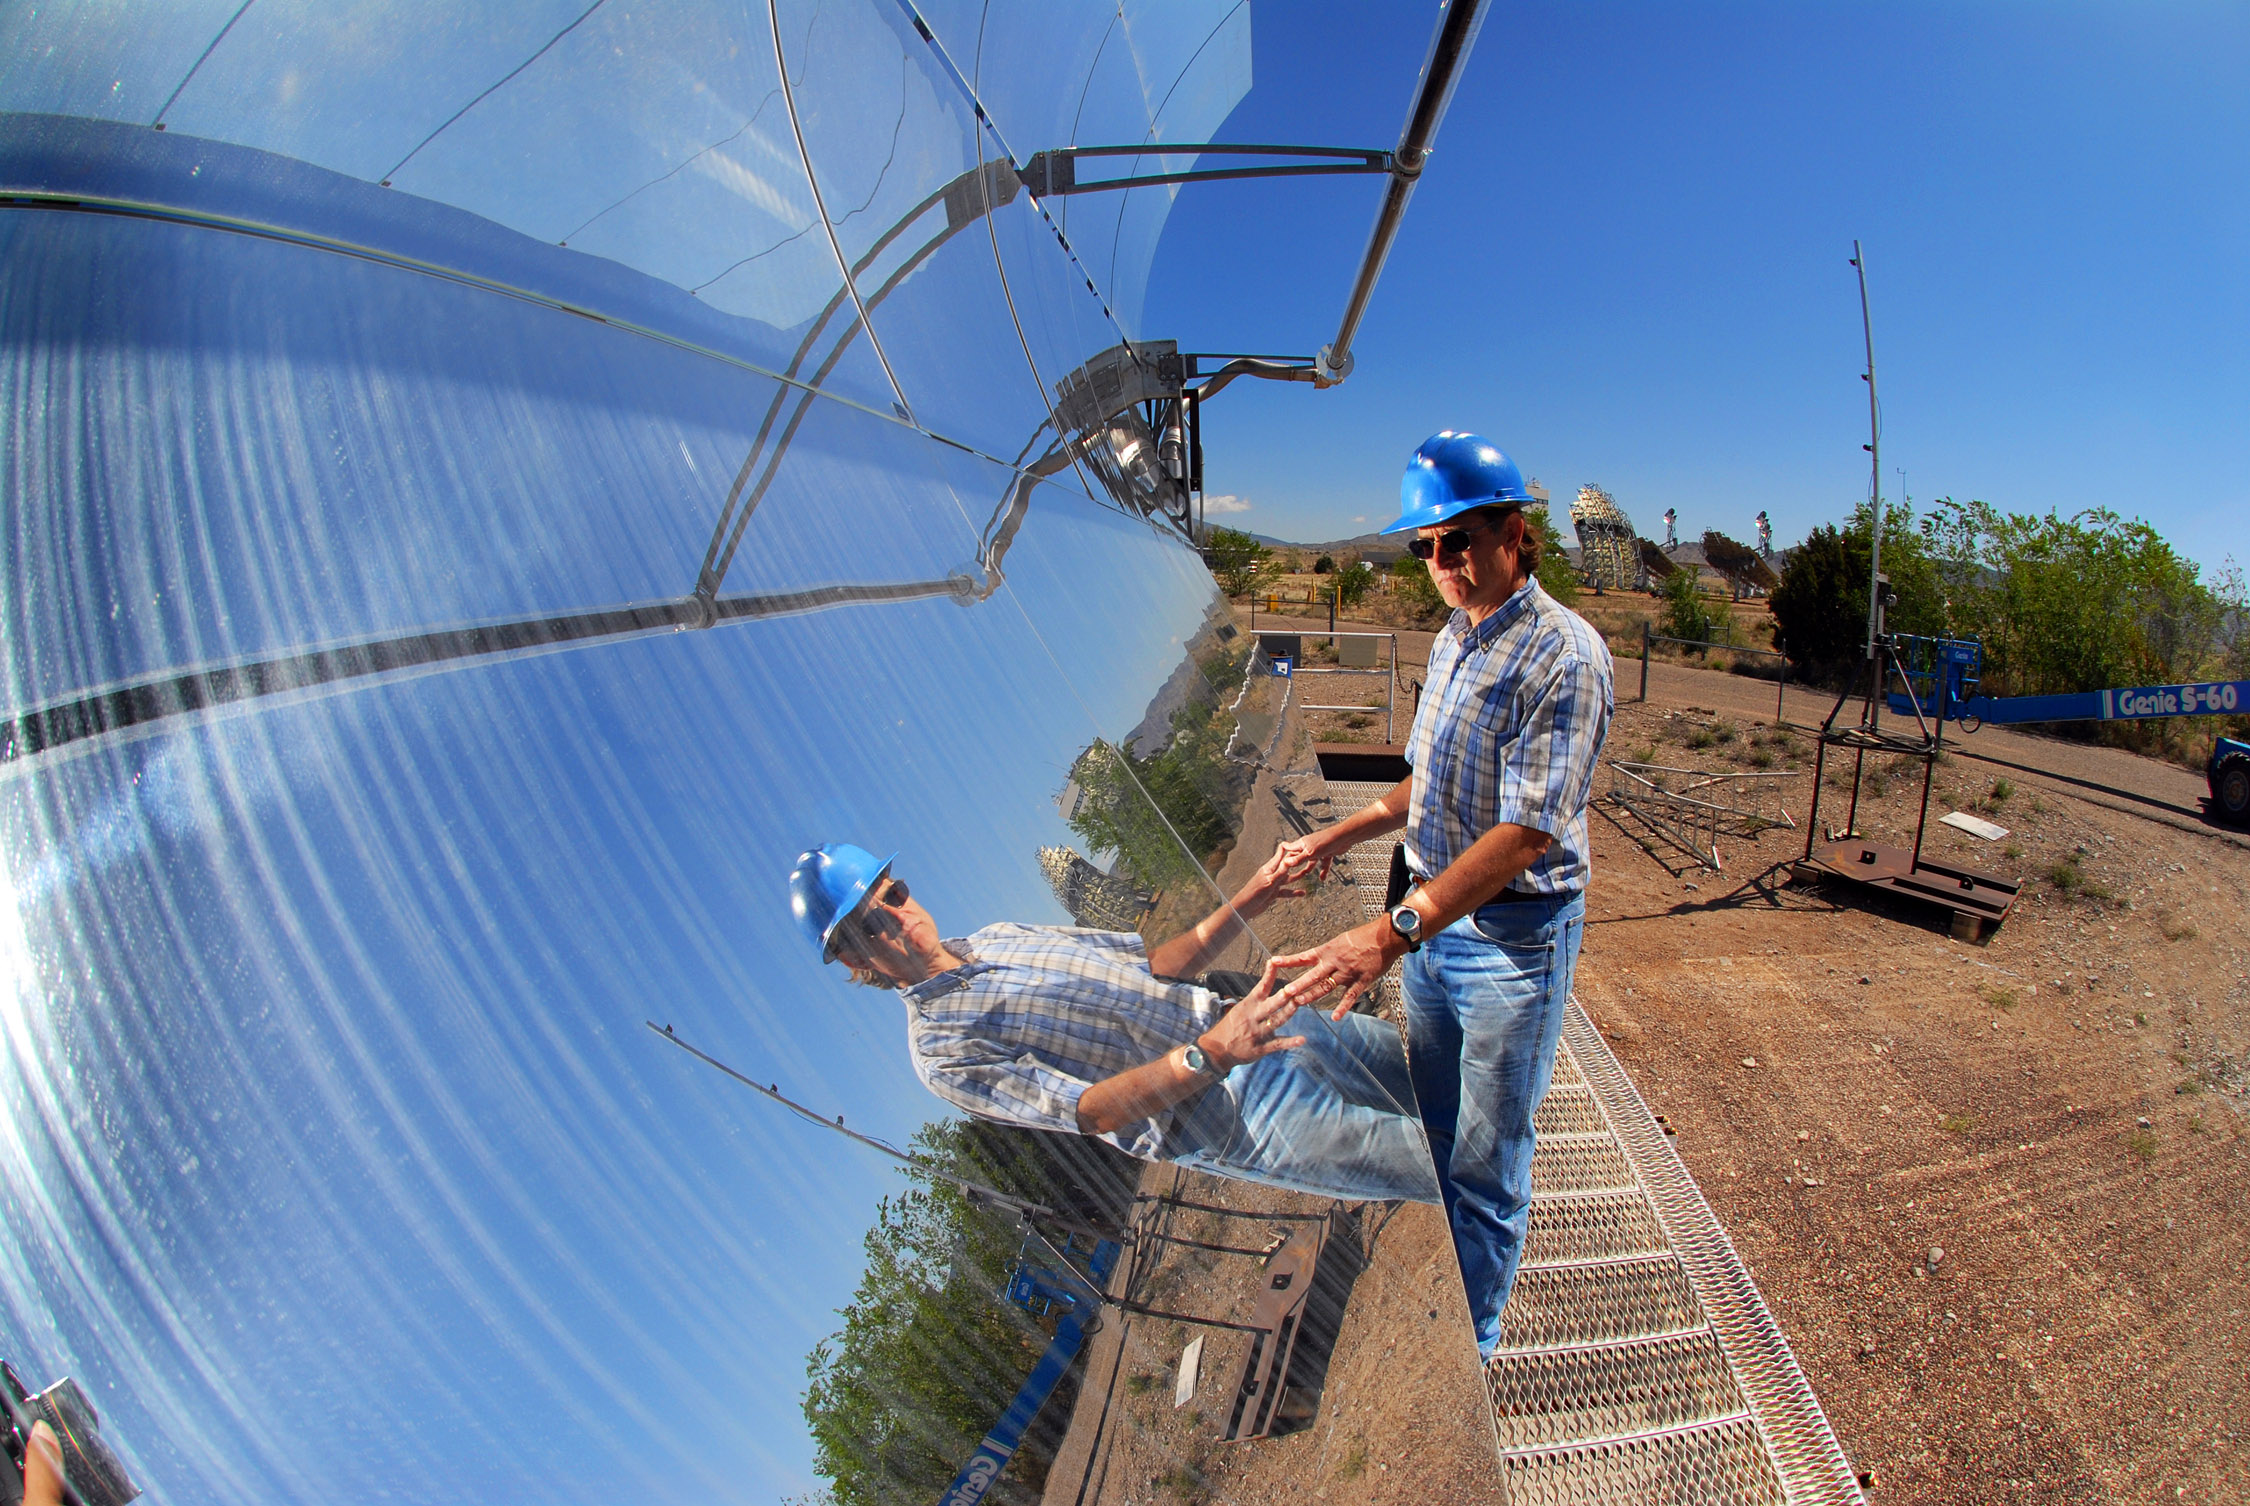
1226, 503
1362, 519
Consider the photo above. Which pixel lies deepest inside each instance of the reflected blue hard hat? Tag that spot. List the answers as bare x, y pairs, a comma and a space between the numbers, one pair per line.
828, 884
1450, 474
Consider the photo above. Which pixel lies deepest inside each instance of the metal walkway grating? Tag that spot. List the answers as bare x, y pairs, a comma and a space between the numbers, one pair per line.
1638, 1364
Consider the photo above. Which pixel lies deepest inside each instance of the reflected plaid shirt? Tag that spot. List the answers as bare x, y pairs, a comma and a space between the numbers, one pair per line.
1038, 1014
1510, 729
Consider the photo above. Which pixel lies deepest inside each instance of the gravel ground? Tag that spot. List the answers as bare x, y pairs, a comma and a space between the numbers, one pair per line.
1993, 1193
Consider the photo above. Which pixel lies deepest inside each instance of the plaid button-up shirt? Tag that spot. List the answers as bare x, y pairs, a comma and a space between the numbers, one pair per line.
1510, 729
1039, 1014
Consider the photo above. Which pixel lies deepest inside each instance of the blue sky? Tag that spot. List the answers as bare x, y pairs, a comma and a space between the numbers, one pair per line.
1628, 263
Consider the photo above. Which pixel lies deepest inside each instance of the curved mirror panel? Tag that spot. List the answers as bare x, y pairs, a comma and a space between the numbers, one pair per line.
1123, 75
478, 711
654, 137
895, 145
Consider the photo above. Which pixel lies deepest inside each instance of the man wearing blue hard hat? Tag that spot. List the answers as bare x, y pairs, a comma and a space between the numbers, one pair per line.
1502, 754
1092, 1032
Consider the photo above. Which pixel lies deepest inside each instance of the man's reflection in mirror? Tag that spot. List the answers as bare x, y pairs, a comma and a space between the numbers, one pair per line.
1092, 1032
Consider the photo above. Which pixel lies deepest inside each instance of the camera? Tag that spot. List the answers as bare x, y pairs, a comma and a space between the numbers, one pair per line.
92, 1474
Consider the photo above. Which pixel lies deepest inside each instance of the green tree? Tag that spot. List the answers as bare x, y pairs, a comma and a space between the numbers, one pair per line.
2091, 602
1235, 559
1144, 807
1555, 574
1685, 615
1820, 606
1353, 582
1324, 564
2233, 594
930, 1353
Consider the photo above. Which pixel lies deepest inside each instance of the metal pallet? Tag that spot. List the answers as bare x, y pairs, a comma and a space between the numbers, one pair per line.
1637, 1362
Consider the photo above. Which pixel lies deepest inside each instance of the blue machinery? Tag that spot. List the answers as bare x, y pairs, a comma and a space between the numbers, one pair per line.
1039, 1290
1943, 673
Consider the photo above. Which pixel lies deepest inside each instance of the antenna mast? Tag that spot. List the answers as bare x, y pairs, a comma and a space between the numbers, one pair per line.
1875, 461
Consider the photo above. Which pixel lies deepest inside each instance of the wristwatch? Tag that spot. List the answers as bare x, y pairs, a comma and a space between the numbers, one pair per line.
1407, 922
1199, 1063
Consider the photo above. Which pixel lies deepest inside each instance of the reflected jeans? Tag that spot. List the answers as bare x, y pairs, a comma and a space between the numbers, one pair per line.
1484, 1013
1333, 1117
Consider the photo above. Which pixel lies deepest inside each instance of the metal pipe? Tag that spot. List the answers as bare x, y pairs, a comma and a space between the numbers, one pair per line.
1273, 371
1441, 71
1812, 816
1859, 767
141, 702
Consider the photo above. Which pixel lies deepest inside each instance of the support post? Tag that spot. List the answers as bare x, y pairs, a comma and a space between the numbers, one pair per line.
1390, 697
1780, 681
1812, 817
1644, 661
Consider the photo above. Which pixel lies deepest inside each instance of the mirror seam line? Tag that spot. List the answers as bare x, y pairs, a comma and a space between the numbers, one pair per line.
820, 207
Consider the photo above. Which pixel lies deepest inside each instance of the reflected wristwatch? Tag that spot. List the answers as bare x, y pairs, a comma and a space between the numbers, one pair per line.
1199, 1063
1407, 922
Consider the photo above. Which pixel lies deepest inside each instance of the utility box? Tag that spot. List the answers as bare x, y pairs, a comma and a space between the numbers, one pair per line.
1356, 650
1290, 646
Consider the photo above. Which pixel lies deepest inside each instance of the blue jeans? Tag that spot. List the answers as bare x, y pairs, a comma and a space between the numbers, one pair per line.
1484, 1013
1333, 1117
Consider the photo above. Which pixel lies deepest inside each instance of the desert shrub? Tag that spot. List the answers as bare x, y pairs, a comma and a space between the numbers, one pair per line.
1410, 578
1685, 614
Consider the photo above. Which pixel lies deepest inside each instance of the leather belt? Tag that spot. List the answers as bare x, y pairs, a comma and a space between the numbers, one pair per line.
1404, 879
1504, 897
1519, 897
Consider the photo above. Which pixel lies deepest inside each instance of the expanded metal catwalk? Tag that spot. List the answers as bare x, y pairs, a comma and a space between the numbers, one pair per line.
1638, 1362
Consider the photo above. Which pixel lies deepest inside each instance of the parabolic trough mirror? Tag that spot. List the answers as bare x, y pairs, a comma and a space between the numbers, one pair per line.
486, 492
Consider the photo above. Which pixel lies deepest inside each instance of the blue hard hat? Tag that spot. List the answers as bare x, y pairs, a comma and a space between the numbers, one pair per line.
828, 884
1450, 474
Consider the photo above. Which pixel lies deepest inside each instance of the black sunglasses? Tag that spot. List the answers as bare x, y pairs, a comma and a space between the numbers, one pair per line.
1452, 541
890, 897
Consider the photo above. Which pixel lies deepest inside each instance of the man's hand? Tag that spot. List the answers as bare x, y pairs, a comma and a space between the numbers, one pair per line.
1248, 1030
1325, 846
1353, 962
1278, 878
1314, 848
1244, 1033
